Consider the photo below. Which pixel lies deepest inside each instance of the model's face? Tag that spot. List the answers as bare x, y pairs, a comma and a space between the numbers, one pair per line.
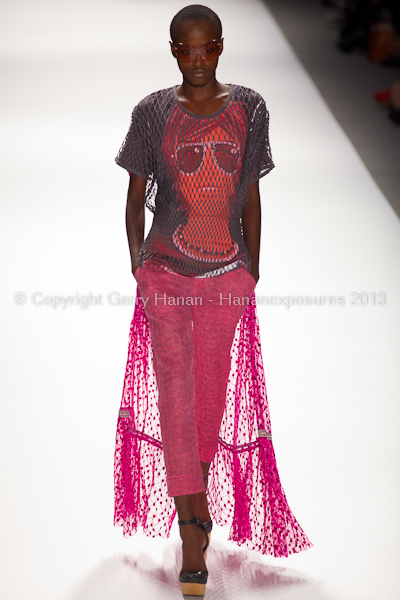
196, 34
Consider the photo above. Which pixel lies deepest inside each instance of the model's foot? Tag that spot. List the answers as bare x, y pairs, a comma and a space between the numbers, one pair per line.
193, 541
200, 506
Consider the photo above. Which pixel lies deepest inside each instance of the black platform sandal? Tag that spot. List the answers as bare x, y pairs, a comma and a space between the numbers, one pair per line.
194, 584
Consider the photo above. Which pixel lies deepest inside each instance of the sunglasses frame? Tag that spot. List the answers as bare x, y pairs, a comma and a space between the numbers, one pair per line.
205, 145
195, 51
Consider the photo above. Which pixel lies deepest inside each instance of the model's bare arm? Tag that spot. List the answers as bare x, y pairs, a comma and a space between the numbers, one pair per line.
251, 221
135, 216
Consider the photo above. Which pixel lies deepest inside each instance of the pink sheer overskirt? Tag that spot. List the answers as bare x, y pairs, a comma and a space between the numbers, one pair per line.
244, 488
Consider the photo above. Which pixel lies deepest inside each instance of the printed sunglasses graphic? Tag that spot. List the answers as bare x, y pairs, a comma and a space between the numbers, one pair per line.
190, 156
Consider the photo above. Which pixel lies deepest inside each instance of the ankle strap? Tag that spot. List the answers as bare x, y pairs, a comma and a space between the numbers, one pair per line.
190, 522
200, 524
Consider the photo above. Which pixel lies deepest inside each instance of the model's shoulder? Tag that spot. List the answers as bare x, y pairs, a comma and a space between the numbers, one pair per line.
247, 94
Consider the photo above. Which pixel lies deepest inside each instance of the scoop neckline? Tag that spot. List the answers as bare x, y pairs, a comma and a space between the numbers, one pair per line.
192, 114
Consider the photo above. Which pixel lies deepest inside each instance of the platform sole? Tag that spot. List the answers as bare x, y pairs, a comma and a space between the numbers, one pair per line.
193, 589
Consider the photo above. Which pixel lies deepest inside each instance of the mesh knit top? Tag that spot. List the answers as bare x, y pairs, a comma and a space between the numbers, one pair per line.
198, 169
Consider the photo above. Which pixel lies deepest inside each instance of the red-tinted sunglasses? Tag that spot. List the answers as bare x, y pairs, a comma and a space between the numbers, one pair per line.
186, 53
190, 156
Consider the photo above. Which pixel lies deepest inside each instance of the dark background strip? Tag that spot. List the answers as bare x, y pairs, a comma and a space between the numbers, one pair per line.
347, 82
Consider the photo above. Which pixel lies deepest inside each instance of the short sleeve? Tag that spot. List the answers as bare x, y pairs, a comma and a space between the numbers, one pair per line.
134, 154
260, 157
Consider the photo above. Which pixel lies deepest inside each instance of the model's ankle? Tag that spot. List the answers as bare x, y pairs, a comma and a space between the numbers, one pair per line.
200, 506
193, 542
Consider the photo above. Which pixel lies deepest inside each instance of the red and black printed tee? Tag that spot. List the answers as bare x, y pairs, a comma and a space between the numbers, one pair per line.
198, 169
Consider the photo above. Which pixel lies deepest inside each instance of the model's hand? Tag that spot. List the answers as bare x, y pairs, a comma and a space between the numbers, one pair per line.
134, 272
255, 276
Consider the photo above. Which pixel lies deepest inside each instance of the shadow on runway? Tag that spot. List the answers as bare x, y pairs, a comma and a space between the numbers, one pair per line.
233, 575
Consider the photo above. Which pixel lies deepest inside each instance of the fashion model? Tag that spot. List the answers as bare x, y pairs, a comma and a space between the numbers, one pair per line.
193, 433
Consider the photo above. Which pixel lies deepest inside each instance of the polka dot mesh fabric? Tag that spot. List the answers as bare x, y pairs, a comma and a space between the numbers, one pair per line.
198, 169
244, 489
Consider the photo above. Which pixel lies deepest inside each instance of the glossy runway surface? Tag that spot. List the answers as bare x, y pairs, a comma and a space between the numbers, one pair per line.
233, 575
72, 72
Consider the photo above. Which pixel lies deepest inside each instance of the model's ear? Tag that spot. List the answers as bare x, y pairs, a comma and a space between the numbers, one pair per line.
172, 49
221, 46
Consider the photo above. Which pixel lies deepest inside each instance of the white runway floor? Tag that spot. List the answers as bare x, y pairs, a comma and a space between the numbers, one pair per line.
71, 73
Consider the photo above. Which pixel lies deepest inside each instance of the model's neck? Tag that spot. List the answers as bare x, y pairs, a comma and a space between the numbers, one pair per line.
200, 93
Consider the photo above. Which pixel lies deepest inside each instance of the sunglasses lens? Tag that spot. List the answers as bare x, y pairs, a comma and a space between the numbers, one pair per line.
186, 53
183, 53
189, 158
227, 157
211, 51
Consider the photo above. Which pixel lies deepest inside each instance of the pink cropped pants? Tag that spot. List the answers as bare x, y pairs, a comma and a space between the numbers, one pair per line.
192, 324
